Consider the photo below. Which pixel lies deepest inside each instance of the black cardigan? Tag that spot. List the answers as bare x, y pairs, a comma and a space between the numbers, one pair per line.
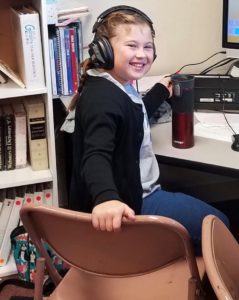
106, 144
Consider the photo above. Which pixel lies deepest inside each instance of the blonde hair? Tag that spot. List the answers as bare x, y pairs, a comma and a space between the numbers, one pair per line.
107, 29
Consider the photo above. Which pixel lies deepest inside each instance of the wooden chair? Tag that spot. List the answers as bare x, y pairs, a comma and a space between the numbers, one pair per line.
150, 258
221, 256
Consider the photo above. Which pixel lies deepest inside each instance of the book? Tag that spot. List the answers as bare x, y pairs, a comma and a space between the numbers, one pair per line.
47, 193
6, 69
29, 194
69, 11
26, 30
38, 194
68, 59
20, 134
53, 66
9, 136
74, 60
37, 139
63, 61
2, 197
2, 163
13, 221
79, 39
58, 55
57, 65
5, 213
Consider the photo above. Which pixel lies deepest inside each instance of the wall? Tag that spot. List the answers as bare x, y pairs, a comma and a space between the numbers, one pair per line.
187, 31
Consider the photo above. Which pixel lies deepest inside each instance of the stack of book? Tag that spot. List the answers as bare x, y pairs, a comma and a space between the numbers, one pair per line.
13, 139
66, 53
22, 131
11, 201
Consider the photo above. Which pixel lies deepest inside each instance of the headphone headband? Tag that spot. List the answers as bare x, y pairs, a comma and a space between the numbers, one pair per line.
103, 15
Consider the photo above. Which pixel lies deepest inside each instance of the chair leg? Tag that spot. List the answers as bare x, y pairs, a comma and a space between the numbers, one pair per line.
39, 279
194, 292
192, 288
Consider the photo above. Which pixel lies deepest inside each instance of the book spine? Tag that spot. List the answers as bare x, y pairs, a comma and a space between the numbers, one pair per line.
53, 67
59, 61
5, 213
47, 193
2, 197
2, 163
63, 62
57, 66
37, 139
68, 59
29, 194
12, 223
9, 137
20, 135
74, 61
28, 38
80, 41
38, 194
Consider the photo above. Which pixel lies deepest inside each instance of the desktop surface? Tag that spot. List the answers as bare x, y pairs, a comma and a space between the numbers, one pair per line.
209, 170
205, 150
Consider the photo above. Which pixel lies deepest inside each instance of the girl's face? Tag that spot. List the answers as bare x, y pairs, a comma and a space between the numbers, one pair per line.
133, 52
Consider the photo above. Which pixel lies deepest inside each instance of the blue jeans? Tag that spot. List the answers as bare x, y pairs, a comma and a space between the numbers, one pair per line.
185, 209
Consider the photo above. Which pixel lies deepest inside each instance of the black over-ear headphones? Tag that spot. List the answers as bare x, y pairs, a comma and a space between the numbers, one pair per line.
100, 49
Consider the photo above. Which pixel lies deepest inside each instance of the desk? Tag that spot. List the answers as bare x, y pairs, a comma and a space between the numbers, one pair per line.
209, 170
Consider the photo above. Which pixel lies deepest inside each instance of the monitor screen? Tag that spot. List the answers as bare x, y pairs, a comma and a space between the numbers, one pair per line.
230, 32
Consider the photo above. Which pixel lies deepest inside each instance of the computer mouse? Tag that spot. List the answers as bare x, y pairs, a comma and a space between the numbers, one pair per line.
235, 143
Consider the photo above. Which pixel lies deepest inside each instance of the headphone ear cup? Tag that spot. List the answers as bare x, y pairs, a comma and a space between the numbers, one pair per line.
101, 53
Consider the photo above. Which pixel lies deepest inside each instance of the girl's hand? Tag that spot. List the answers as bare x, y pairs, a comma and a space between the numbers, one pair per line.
107, 216
166, 81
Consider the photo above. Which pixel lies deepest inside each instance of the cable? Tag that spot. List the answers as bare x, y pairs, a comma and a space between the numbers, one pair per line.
201, 62
234, 132
223, 107
225, 60
218, 64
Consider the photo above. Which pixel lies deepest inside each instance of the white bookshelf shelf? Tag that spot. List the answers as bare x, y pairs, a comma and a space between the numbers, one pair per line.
11, 89
24, 176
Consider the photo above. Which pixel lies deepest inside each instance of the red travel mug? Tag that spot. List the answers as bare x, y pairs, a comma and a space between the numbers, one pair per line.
183, 111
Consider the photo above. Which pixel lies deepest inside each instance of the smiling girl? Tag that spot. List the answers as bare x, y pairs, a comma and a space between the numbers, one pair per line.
115, 172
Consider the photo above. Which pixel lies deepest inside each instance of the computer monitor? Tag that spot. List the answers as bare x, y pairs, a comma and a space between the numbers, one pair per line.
230, 29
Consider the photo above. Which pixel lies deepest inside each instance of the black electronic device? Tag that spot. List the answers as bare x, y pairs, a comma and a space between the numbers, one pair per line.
100, 49
215, 92
230, 27
235, 142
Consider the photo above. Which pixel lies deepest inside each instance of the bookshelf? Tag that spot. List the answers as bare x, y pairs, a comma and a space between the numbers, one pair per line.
8, 53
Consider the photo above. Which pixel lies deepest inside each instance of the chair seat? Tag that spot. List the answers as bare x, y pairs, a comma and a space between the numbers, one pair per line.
166, 284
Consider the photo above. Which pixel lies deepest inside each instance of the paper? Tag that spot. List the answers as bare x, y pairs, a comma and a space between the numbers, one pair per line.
217, 126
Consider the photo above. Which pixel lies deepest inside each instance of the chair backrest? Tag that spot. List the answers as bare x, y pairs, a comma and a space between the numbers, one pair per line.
221, 257
142, 246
